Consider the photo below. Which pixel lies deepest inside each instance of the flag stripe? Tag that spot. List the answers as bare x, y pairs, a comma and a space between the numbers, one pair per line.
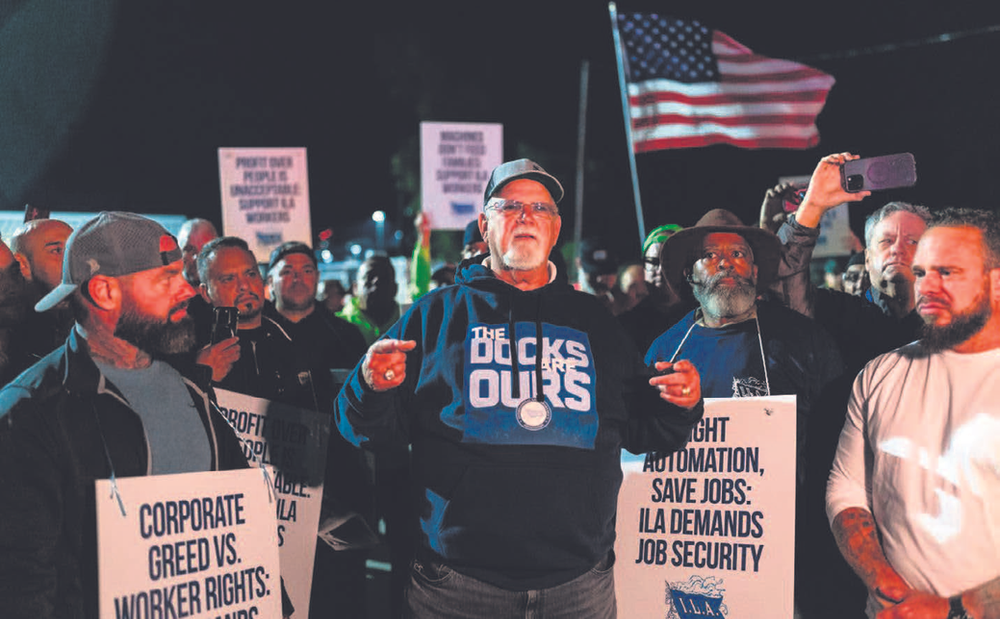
711, 140
755, 141
715, 94
797, 120
742, 74
698, 89
724, 111
745, 131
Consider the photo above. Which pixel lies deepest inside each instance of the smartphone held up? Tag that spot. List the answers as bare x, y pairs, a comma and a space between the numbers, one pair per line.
225, 323
875, 173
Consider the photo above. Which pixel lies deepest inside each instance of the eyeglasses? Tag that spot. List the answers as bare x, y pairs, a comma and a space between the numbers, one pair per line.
510, 208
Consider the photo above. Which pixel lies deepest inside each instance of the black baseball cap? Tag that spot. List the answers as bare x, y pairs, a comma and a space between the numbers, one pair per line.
472, 233
290, 247
596, 258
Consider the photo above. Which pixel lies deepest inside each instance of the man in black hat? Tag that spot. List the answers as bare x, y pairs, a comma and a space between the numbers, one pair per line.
742, 346
736, 339
598, 273
104, 405
472, 241
517, 394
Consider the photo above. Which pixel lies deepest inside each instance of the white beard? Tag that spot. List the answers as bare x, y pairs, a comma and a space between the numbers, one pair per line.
523, 258
725, 302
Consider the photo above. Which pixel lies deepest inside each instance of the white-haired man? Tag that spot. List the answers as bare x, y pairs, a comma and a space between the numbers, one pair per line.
508, 385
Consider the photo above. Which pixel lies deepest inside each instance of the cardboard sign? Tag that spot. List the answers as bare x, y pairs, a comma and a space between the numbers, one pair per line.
265, 197
709, 531
455, 164
292, 443
189, 545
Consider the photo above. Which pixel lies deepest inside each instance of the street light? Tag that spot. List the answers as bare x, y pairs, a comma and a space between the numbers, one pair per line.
379, 218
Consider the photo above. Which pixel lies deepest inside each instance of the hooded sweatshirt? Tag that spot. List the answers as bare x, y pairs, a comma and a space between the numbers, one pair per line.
510, 491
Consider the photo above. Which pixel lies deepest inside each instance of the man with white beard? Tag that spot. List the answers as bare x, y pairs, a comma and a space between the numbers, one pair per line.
517, 394
744, 347
913, 492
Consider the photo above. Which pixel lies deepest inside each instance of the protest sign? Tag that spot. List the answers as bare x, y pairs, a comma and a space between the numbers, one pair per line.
455, 164
708, 531
188, 545
292, 443
265, 197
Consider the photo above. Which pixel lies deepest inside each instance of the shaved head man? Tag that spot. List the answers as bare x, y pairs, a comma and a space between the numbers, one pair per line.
193, 235
38, 246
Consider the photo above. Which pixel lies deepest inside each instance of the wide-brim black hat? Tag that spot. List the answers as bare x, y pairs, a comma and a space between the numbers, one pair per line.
676, 253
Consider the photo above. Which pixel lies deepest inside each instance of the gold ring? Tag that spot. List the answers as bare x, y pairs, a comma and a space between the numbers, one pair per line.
685, 391
389, 375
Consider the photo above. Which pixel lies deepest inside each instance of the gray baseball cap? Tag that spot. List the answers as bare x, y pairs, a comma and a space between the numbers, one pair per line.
521, 168
112, 244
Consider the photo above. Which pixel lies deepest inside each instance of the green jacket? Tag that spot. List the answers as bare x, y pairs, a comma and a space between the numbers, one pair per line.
353, 314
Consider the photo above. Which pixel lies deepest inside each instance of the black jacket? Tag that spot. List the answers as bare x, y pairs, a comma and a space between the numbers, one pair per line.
271, 367
63, 425
863, 329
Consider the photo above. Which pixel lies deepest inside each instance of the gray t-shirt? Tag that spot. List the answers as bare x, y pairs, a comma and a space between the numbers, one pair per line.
178, 441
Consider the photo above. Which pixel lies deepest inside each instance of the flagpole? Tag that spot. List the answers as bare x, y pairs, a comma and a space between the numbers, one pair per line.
581, 139
628, 120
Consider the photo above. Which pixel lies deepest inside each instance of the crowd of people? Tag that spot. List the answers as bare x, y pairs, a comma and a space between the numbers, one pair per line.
483, 423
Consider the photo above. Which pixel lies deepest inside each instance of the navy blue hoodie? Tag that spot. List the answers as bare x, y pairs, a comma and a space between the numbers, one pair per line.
523, 499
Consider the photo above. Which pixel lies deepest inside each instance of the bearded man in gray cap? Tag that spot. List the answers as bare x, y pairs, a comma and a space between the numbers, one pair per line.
104, 405
517, 394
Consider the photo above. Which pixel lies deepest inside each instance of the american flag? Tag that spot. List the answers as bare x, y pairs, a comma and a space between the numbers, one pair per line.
689, 85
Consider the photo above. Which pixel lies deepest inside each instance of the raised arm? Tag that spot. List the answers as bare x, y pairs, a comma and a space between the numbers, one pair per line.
825, 191
799, 235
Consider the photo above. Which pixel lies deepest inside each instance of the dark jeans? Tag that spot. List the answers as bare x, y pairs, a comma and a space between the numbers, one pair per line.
439, 592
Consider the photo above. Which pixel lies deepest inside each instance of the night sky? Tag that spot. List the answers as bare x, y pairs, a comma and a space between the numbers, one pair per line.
175, 80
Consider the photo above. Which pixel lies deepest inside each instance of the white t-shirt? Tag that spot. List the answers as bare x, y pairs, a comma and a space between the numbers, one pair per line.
920, 449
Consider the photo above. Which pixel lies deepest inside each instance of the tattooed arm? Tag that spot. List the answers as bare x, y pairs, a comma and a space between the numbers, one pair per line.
849, 500
982, 602
854, 530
